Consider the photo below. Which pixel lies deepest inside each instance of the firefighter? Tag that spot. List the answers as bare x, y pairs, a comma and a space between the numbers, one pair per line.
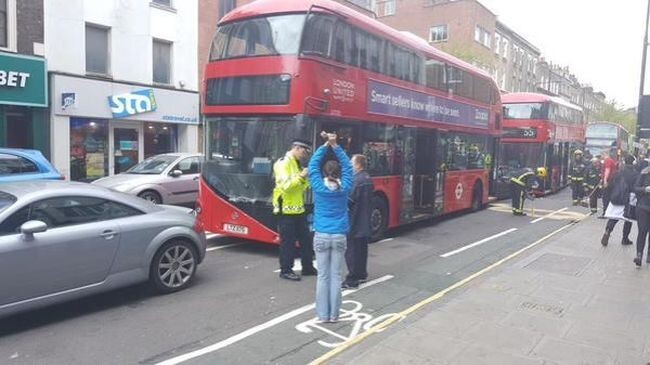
291, 182
592, 184
523, 182
577, 177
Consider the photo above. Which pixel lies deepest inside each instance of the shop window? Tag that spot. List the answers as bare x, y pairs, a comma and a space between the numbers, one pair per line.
97, 53
162, 62
159, 138
88, 149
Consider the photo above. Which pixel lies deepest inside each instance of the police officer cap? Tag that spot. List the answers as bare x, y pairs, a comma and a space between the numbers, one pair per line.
301, 143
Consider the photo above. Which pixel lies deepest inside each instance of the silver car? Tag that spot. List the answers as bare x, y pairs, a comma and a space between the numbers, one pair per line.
62, 240
172, 178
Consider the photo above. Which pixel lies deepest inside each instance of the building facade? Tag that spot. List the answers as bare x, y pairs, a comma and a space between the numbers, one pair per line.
515, 60
123, 81
23, 76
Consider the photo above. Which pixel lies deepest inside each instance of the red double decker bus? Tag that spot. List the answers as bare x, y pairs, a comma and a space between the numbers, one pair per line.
539, 131
281, 70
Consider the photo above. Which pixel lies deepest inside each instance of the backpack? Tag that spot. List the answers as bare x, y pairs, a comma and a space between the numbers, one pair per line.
620, 190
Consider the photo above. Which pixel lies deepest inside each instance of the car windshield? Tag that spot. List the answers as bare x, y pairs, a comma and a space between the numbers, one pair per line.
152, 166
6, 200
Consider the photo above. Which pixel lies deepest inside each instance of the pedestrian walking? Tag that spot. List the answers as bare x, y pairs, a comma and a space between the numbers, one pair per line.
642, 161
331, 183
642, 191
359, 203
522, 183
621, 187
609, 168
288, 204
592, 184
577, 177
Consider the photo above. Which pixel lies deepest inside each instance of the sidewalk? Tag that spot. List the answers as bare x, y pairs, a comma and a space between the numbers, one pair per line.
566, 301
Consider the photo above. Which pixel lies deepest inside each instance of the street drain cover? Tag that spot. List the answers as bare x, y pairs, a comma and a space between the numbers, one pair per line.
559, 264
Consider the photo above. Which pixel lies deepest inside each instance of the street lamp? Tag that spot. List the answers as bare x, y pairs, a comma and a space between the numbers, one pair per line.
643, 62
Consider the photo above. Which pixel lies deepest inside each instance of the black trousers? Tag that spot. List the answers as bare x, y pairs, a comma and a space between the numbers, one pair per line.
577, 191
643, 222
607, 192
356, 257
593, 201
627, 228
517, 198
294, 228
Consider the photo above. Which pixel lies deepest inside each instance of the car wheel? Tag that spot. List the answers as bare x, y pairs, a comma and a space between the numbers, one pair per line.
378, 218
151, 196
173, 266
477, 197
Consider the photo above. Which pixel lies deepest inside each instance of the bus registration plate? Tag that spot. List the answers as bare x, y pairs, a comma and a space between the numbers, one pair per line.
234, 228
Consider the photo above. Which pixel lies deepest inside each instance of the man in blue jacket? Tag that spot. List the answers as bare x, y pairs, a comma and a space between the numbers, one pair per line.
359, 202
331, 182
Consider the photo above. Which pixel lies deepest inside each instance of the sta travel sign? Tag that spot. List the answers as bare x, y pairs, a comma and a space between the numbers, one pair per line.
137, 102
23, 80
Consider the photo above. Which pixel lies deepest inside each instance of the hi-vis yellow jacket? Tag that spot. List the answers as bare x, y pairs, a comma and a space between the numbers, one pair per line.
289, 191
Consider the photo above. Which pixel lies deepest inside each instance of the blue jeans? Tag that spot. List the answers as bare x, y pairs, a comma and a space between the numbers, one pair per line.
329, 250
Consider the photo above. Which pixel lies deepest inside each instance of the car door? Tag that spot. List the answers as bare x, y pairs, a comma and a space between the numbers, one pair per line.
77, 249
184, 188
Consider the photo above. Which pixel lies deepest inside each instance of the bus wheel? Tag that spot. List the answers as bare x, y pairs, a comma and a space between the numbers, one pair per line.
477, 197
378, 218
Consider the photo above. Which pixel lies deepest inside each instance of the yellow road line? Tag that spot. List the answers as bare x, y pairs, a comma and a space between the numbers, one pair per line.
348, 344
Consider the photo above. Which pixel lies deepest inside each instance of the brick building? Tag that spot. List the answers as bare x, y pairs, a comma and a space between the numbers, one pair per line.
516, 60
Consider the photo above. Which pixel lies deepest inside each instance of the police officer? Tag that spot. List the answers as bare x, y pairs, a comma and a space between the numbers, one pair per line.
288, 204
592, 184
577, 177
522, 182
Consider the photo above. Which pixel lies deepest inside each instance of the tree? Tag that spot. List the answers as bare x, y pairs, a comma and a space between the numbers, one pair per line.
614, 112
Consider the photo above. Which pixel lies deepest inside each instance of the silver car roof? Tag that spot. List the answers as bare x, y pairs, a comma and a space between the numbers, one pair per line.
43, 189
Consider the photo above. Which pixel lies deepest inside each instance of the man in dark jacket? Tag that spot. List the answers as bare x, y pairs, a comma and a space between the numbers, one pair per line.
642, 191
623, 181
360, 200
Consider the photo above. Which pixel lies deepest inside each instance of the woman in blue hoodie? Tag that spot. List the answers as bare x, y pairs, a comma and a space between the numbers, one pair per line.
331, 183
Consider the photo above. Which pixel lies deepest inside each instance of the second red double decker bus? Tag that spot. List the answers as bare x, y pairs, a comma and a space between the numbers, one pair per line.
539, 131
289, 69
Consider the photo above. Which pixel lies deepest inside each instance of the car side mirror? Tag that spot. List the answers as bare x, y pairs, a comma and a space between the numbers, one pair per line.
176, 173
30, 227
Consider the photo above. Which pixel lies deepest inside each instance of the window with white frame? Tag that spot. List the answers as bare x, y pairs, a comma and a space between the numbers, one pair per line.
482, 36
162, 61
506, 43
97, 51
385, 7
438, 33
497, 43
8, 25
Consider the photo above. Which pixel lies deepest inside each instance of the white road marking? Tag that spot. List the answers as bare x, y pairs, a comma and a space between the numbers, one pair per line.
451, 253
385, 240
297, 265
214, 248
549, 215
254, 330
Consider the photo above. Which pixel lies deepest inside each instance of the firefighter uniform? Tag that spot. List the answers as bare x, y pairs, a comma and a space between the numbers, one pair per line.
592, 184
522, 182
577, 177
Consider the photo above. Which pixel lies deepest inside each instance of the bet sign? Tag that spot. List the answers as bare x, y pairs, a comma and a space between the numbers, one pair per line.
13, 78
137, 102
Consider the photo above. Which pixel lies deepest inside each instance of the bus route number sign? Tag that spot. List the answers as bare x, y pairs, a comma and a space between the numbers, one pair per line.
521, 133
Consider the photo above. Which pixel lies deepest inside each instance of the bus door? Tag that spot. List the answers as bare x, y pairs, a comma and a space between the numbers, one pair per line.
406, 150
425, 172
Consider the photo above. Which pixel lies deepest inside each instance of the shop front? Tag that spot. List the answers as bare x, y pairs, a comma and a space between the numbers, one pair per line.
23, 102
102, 128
